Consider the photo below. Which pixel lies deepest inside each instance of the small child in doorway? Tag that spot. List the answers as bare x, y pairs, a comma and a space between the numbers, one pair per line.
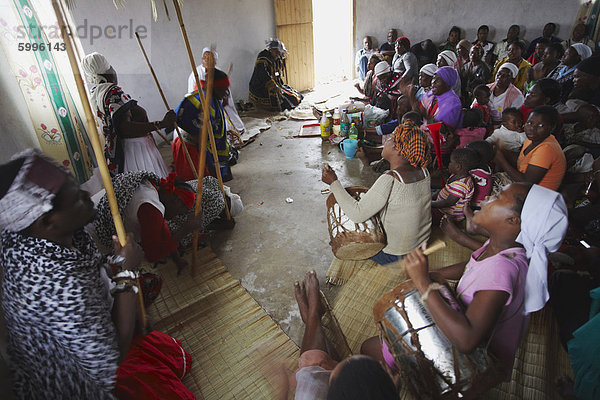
472, 127
482, 174
459, 188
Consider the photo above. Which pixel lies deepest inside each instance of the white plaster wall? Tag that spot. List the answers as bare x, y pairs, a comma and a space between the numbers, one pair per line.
16, 129
432, 19
238, 28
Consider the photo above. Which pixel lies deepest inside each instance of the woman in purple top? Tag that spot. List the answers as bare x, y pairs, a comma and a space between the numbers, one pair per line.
440, 104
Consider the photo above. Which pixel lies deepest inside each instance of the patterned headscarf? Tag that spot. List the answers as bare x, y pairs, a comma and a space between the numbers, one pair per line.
412, 143
32, 191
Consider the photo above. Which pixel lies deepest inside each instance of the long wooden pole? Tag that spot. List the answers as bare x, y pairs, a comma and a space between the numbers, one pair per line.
205, 104
164, 99
204, 131
95, 140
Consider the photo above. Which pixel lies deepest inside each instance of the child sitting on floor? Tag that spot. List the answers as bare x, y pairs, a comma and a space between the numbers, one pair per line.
482, 94
482, 174
510, 136
472, 127
459, 188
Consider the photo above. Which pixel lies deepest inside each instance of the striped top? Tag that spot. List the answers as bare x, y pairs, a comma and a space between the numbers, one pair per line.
462, 188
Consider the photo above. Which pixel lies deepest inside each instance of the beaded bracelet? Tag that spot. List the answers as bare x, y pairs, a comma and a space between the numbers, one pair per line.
125, 274
123, 287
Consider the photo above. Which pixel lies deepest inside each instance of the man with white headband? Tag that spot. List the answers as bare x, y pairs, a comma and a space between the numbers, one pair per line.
503, 93
59, 296
127, 130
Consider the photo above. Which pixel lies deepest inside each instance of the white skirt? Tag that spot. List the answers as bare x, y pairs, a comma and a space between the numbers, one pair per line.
141, 154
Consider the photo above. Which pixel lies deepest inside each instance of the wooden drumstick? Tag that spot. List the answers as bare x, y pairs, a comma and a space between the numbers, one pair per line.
435, 246
95, 140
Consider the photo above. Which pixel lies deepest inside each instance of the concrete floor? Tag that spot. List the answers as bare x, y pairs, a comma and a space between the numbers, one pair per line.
274, 243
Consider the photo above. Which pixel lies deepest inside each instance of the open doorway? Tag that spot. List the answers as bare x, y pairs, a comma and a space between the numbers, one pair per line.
333, 35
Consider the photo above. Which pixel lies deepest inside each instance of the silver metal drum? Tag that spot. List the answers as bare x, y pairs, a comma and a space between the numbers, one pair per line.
432, 367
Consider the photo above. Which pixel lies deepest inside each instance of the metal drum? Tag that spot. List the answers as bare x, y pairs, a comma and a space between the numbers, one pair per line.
350, 240
431, 366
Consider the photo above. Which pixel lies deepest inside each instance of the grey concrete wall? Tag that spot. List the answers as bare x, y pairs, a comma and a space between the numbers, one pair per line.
432, 19
238, 28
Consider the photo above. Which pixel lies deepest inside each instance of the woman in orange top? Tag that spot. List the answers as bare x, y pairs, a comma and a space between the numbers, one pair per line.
541, 160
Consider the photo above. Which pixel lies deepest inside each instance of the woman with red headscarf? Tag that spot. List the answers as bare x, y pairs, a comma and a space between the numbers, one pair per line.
189, 118
405, 63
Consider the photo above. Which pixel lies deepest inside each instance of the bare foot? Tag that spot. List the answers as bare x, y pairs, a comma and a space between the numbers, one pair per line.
300, 293
313, 294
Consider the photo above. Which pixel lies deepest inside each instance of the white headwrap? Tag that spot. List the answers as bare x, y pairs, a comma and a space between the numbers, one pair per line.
381, 68
215, 54
543, 228
583, 50
93, 65
449, 56
276, 44
514, 70
429, 69
32, 191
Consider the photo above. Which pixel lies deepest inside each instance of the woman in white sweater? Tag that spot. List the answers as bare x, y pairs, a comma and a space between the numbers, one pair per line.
401, 196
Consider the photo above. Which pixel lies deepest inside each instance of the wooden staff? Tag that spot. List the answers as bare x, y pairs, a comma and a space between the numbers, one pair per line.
164, 99
95, 139
162, 136
205, 104
435, 246
204, 131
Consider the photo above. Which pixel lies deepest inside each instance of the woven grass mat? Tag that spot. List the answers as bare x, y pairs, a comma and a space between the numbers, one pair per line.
540, 359
233, 342
340, 271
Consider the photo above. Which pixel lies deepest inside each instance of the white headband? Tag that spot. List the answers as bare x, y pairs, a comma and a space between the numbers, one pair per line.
429, 69
514, 70
449, 56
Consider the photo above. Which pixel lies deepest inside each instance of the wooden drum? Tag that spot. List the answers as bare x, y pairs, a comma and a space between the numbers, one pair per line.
431, 367
350, 240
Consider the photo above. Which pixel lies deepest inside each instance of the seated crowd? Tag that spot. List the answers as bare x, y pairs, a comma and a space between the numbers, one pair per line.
512, 133
500, 141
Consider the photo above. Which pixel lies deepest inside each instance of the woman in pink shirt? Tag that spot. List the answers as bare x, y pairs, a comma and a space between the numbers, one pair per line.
504, 280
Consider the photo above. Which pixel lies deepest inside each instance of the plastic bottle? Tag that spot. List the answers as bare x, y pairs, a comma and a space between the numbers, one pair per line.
325, 126
344, 124
353, 132
335, 129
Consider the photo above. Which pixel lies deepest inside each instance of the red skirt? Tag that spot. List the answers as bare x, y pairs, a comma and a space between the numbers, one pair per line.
153, 369
182, 166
